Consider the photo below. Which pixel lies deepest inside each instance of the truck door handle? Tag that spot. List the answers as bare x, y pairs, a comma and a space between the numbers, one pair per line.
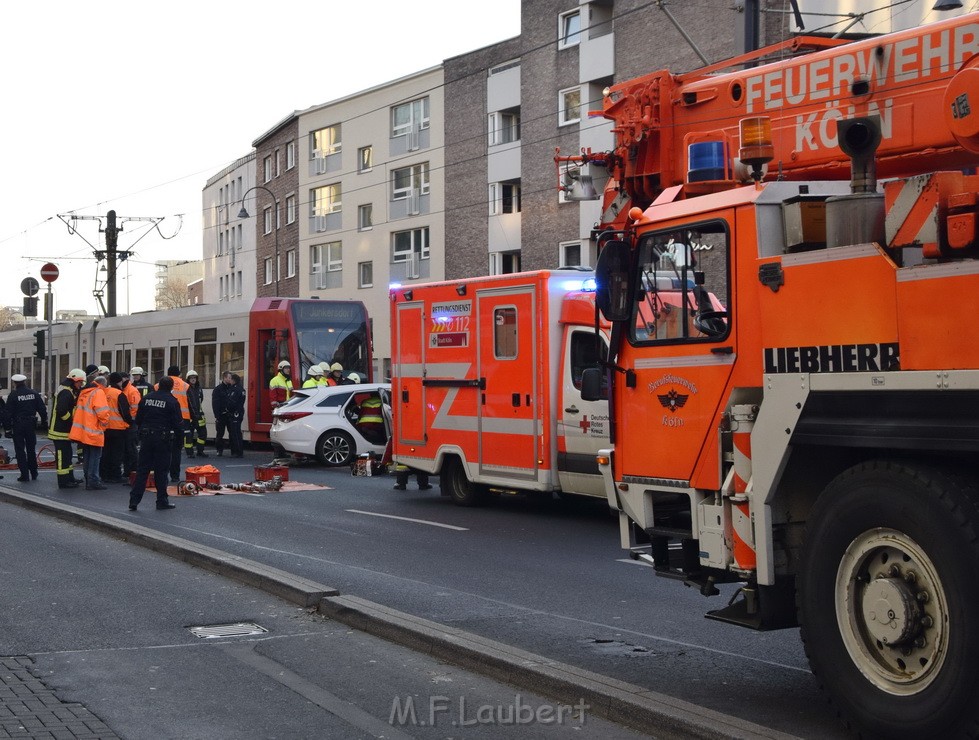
571, 410
404, 396
515, 399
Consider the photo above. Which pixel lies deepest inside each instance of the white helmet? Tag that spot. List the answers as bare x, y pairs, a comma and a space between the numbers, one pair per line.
137, 371
285, 363
336, 367
103, 369
353, 377
315, 370
191, 373
77, 374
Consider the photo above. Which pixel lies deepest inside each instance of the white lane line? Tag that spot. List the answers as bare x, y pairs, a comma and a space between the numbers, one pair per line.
409, 519
630, 561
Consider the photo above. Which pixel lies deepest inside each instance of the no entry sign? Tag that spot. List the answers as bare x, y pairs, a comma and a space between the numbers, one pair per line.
49, 273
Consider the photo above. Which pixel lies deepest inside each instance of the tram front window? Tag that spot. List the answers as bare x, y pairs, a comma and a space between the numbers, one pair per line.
331, 332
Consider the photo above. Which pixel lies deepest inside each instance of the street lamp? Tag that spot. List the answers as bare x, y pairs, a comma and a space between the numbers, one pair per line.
243, 213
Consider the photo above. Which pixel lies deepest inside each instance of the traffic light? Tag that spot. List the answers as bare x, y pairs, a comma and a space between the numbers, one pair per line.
40, 350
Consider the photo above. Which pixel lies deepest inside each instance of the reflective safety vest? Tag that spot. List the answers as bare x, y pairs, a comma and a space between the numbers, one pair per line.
91, 417
179, 392
370, 411
281, 388
322, 380
311, 383
115, 417
134, 397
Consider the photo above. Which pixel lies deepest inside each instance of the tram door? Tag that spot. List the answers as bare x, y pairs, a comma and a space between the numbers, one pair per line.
267, 346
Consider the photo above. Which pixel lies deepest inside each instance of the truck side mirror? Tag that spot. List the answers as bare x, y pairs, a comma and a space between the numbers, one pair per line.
612, 281
593, 384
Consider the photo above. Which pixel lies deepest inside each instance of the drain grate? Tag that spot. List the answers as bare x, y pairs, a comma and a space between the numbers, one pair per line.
238, 629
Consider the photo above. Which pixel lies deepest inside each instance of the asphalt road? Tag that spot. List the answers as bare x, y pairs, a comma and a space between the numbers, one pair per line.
546, 577
108, 625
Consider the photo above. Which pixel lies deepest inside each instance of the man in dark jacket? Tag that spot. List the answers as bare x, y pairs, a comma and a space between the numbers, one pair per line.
120, 418
221, 409
23, 405
61, 416
160, 422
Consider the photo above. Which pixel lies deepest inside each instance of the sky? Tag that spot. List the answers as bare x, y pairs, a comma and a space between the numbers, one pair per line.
132, 106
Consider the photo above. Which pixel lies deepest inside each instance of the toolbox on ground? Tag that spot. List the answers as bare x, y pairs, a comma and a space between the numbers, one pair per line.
268, 472
202, 475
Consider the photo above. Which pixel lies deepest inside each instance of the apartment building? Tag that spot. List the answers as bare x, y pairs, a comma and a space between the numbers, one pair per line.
371, 187
228, 241
273, 201
530, 96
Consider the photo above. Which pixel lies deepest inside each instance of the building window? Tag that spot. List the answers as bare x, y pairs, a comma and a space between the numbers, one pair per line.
267, 220
365, 217
291, 263
409, 116
290, 155
504, 263
365, 274
504, 197
324, 258
269, 275
290, 209
409, 244
325, 199
569, 254
504, 127
278, 162
267, 168
365, 159
569, 29
324, 142
569, 106
408, 180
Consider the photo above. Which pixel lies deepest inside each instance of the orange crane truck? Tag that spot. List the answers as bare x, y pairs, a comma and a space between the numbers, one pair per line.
815, 438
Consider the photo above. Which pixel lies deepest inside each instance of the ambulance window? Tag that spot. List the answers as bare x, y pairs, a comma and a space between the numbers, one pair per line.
585, 353
682, 291
505, 333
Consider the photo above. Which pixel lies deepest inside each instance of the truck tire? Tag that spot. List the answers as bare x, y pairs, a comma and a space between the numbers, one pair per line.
888, 597
335, 448
462, 490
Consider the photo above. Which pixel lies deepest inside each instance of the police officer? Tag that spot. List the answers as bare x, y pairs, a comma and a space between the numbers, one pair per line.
160, 422
23, 404
61, 419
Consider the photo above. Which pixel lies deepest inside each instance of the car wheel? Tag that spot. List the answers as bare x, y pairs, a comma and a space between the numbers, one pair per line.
335, 448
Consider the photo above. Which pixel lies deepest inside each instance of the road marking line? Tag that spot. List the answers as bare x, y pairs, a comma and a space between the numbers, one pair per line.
630, 561
409, 519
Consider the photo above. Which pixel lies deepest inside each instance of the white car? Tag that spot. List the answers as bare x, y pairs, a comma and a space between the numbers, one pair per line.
323, 422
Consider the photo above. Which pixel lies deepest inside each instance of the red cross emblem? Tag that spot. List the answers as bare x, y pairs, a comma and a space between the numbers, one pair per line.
584, 424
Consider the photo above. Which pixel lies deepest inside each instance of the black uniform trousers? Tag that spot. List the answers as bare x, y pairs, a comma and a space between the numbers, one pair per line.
130, 458
179, 441
25, 444
64, 457
154, 454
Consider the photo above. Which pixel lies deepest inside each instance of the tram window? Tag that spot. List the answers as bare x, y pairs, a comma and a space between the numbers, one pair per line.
204, 357
142, 358
63, 361
205, 335
105, 358
179, 356
124, 360
233, 358
157, 370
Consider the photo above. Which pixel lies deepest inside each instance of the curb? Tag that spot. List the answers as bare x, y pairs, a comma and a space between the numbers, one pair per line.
623, 703
292, 588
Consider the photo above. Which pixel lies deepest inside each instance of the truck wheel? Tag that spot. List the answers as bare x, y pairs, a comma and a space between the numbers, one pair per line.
888, 598
462, 490
335, 448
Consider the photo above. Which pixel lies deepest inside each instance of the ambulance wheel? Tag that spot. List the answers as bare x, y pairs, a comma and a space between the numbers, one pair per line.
888, 597
335, 448
462, 490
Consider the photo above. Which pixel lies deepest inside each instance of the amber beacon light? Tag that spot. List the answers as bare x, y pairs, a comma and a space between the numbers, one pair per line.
756, 144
